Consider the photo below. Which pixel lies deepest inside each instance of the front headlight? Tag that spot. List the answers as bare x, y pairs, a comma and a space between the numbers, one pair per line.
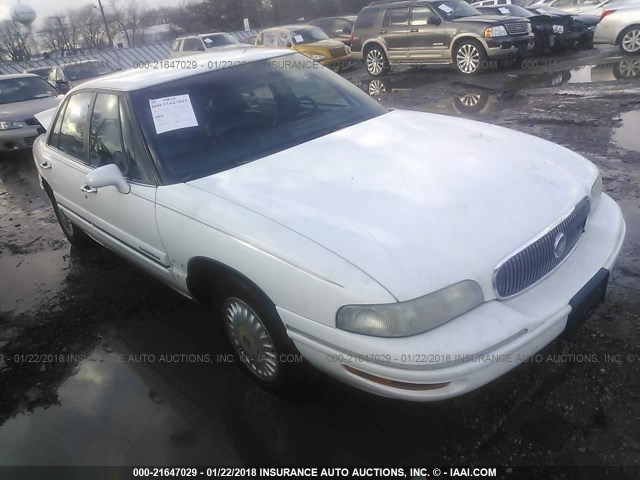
8, 125
558, 29
529, 28
498, 31
414, 316
596, 191
315, 56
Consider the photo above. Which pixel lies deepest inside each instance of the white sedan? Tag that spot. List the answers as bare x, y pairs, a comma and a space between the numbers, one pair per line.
620, 27
412, 255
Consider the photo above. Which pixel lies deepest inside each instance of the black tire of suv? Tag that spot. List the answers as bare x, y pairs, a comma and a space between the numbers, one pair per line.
249, 314
378, 64
470, 45
75, 235
632, 28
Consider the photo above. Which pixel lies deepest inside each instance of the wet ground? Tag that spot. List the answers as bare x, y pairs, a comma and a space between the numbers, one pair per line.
101, 365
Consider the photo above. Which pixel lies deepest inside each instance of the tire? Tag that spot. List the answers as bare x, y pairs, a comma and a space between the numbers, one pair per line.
538, 44
469, 57
258, 337
75, 235
630, 40
376, 61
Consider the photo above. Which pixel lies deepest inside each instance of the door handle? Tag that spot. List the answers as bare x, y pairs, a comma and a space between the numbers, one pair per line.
45, 165
414, 30
88, 189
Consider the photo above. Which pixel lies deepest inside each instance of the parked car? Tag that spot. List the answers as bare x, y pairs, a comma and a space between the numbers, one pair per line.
591, 7
338, 28
310, 41
620, 27
552, 32
436, 32
193, 44
390, 269
583, 23
42, 72
69, 75
21, 97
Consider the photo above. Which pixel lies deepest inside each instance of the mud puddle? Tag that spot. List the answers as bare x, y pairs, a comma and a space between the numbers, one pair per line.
32, 279
627, 134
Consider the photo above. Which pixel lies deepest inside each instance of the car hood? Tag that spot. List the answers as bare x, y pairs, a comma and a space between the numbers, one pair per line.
26, 110
327, 44
418, 201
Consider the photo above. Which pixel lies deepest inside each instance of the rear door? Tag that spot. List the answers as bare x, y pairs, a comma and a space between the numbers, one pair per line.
395, 32
428, 40
63, 163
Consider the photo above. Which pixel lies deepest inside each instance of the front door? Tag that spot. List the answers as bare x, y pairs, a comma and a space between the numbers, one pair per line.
428, 34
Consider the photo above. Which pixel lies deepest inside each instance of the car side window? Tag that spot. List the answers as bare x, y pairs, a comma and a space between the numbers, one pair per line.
269, 39
189, 45
422, 15
396, 17
105, 138
199, 45
54, 136
283, 40
176, 46
340, 27
134, 149
74, 123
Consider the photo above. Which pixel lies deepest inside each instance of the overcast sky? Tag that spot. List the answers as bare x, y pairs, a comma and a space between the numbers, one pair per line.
45, 8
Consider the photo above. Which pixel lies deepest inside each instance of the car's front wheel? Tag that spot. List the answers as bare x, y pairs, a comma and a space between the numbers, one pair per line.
630, 40
469, 57
258, 338
376, 61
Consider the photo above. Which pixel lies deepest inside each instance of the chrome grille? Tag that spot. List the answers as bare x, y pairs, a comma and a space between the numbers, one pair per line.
339, 52
517, 28
538, 259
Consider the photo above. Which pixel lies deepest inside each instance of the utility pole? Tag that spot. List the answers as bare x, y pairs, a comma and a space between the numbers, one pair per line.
106, 25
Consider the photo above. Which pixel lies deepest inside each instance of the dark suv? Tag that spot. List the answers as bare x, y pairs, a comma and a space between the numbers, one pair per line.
426, 32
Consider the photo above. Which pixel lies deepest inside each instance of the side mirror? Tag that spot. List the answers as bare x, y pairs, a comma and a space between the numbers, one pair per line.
60, 81
289, 45
346, 30
108, 176
434, 21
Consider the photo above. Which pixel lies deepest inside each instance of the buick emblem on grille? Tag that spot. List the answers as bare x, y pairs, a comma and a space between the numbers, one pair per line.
560, 245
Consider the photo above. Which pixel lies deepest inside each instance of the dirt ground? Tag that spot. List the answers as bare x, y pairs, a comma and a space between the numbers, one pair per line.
111, 390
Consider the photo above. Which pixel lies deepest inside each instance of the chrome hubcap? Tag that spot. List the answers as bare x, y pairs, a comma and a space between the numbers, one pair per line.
250, 339
376, 87
470, 99
631, 41
468, 58
375, 62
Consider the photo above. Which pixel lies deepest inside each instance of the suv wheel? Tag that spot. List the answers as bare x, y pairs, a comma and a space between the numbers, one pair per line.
376, 61
630, 40
258, 338
469, 57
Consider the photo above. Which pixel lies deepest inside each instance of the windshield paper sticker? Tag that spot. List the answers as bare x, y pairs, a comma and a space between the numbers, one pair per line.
445, 8
299, 38
208, 40
172, 113
504, 10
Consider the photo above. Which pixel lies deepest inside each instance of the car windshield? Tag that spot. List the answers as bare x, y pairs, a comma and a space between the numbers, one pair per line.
219, 40
308, 35
454, 9
41, 72
222, 119
546, 10
80, 71
13, 90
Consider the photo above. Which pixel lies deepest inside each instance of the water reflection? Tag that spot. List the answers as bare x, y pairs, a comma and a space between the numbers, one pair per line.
626, 135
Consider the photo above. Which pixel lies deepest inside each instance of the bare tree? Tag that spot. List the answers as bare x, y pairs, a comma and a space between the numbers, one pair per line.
128, 20
89, 25
13, 42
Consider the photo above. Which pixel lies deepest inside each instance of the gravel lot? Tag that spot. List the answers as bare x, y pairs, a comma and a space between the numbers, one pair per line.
121, 396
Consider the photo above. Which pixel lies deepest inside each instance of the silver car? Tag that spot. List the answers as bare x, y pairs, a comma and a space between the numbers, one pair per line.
21, 97
620, 27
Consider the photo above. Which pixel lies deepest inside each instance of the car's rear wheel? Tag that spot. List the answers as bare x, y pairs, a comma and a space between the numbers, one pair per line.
630, 40
469, 57
258, 337
74, 234
376, 61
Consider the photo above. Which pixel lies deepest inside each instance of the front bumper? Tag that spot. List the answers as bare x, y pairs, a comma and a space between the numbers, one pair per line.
18, 138
338, 64
473, 349
509, 46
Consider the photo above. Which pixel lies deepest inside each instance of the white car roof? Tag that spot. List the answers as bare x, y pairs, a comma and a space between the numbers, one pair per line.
177, 68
